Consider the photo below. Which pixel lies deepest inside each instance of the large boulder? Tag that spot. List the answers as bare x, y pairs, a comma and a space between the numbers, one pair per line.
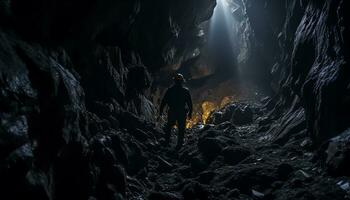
338, 155
222, 115
242, 115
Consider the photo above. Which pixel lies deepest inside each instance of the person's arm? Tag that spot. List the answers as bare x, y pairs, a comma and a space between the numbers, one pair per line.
164, 102
189, 104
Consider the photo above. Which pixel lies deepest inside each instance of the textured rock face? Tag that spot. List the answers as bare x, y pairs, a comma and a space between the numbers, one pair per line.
103, 39
72, 77
338, 155
76, 122
158, 31
43, 117
326, 89
307, 58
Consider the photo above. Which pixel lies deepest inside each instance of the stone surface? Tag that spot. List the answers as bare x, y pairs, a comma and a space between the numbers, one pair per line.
242, 115
234, 155
209, 147
338, 155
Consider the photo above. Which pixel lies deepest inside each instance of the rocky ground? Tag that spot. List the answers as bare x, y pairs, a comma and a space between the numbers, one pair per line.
233, 159
244, 152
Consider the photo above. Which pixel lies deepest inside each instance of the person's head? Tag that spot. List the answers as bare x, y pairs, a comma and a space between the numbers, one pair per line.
178, 79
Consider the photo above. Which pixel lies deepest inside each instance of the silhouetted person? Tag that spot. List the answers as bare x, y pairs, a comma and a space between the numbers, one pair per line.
179, 101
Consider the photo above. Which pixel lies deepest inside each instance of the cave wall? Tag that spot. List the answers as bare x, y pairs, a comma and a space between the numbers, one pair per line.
302, 45
104, 39
74, 77
74, 85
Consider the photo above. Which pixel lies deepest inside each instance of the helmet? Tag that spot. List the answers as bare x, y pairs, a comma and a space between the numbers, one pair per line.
179, 78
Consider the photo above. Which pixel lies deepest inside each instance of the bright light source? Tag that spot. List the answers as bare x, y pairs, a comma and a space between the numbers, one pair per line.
223, 32
233, 7
225, 3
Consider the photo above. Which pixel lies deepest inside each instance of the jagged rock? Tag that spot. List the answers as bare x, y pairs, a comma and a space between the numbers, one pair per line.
163, 196
223, 115
205, 177
117, 177
233, 193
104, 147
198, 164
195, 190
53, 63
164, 165
14, 133
215, 118
293, 123
138, 80
115, 124
338, 155
247, 176
139, 135
131, 121
315, 76
136, 157
13, 169
210, 133
242, 115
111, 182
263, 121
104, 109
234, 155
228, 111
209, 147
37, 185
225, 126
258, 194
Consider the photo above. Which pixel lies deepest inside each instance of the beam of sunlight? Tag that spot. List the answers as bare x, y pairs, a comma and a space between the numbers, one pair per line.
223, 30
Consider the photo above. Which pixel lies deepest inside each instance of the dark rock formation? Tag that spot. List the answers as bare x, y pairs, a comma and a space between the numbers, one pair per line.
209, 147
72, 75
307, 56
76, 121
234, 155
242, 115
338, 155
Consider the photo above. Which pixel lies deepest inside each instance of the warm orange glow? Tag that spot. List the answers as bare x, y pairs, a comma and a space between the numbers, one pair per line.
226, 100
205, 109
196, 118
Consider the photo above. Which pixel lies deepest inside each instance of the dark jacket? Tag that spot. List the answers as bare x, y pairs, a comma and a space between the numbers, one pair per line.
178, 99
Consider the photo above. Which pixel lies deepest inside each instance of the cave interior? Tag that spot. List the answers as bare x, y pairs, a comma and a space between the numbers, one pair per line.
81, 83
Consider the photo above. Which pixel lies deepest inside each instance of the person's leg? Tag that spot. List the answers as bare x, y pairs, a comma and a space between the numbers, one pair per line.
181, 122
169, 125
